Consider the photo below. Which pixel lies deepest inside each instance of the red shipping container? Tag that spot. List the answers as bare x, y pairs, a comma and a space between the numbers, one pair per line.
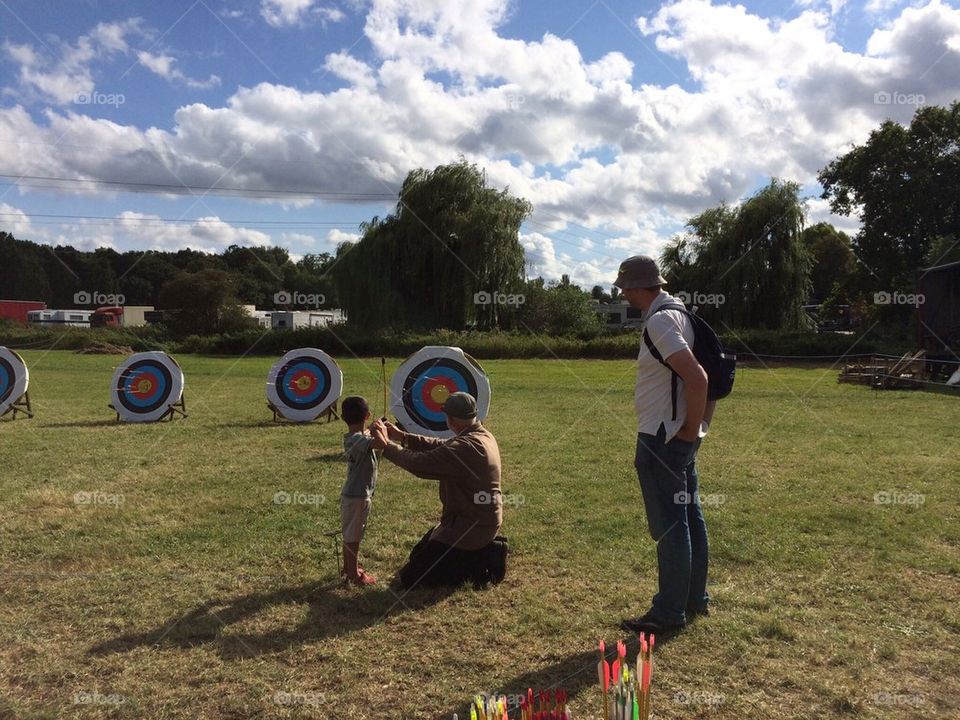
18, 309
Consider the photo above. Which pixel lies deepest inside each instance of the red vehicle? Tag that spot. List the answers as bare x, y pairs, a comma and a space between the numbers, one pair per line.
107, 317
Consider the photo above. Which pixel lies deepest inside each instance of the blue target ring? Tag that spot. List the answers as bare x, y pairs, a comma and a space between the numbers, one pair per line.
6, 379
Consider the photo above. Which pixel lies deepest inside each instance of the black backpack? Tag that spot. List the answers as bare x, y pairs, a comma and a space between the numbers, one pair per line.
718, 361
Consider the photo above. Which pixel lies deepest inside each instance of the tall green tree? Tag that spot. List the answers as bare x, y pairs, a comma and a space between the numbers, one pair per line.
22, 274
833, 263
558, 308
678, 263
943, 249
449, 238
202, 303
904, 185
752, 255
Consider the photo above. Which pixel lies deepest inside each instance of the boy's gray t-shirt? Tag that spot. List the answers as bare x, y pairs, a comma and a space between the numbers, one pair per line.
361, 466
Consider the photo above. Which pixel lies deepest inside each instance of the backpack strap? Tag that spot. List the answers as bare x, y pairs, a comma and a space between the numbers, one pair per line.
674, 378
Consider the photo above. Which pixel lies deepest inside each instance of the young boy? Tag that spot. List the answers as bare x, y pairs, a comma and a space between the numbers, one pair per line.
355, 497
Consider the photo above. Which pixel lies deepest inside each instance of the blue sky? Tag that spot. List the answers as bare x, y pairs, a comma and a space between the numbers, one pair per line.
618, 120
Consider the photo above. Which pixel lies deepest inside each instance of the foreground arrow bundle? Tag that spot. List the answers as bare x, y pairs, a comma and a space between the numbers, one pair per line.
543, 705
546, 705
626, 696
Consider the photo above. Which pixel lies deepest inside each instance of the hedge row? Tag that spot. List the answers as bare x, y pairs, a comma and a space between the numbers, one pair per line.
344, 342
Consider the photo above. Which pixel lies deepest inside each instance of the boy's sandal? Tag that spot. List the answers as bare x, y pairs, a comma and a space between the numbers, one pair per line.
362, 578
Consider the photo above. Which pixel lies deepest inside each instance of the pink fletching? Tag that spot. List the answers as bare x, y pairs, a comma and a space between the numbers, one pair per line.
647, 668
653, 639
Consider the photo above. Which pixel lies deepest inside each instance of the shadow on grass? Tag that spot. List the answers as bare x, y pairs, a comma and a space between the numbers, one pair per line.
112, 422
577, 674
267, 423
332, 611
334, 457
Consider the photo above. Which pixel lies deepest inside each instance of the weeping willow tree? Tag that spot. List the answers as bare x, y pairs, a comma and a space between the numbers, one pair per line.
753, 254
449, 238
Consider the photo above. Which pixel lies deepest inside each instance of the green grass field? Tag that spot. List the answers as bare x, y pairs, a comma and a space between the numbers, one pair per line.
183, 590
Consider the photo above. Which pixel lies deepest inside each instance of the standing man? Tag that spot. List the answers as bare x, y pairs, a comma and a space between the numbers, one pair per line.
672, 411
465, 546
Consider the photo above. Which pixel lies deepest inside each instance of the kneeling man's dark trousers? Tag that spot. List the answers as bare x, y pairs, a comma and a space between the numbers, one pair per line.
436, 564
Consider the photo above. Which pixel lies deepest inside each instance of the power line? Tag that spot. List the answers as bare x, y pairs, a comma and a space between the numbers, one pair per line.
113, 220
173, 188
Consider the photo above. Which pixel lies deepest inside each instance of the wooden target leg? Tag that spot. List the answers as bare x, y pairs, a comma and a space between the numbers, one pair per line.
20, 407
273, 409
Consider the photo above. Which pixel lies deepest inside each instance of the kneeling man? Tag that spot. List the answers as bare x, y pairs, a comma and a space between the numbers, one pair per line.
465, 546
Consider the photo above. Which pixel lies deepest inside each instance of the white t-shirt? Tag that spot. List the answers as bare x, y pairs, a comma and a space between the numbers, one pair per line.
670, 331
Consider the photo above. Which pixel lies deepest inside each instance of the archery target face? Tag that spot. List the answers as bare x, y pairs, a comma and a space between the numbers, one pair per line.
426, 379
14, 378
145, 386
303, 384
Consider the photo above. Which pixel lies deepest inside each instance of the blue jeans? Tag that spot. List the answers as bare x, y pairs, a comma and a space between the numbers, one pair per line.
668, 479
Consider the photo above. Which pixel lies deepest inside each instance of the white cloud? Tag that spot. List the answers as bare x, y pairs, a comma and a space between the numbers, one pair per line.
834, 6
210, 234
337, 237
879, 7
347, 67
541, 257
287, 13
62, 72
163, 65
15, 221
819, 211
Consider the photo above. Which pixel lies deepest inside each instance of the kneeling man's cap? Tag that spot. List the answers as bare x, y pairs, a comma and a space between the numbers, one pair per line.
460, 405
639, 271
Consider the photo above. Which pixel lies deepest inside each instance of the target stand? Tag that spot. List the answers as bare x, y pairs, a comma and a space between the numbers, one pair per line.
330, 414
177, 408
21, 406
303, 385
148, 387
14, 381
426, 379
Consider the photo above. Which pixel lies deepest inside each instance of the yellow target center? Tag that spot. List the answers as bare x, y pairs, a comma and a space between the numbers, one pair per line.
144, 386
439, 394
302, 383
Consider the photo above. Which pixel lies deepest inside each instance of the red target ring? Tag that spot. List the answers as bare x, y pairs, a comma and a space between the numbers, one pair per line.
303, 383
436, 390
